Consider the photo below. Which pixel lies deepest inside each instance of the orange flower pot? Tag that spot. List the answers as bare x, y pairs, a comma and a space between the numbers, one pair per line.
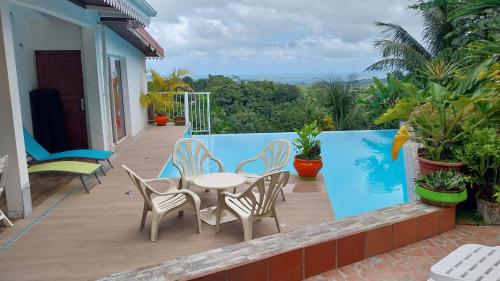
427, 166
161, 119
307, 168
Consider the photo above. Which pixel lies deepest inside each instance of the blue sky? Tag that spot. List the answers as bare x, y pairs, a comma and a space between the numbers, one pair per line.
273, 36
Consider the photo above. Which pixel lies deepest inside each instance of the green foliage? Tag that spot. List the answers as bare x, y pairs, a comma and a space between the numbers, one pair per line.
260, 106
443, 181
437, 115
379, 97
497, 193
449, 27
481, 155
161, 103
307, 144
340, 99
161, 90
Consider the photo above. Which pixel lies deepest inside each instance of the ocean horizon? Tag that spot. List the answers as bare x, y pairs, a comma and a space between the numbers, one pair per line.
295, 79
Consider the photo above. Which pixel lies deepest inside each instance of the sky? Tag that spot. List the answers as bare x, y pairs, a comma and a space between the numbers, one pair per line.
273, 36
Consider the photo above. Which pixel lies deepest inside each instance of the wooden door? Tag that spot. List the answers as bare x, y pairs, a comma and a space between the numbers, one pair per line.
62, 70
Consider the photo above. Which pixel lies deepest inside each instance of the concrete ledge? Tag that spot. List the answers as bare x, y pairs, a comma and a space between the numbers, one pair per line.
308, 251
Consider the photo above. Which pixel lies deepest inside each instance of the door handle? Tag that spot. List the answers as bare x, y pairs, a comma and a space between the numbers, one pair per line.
82, 104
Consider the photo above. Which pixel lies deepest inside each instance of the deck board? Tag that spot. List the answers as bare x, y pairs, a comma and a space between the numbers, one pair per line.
88, 236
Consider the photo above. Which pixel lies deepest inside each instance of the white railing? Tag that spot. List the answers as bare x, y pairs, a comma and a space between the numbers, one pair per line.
195, 107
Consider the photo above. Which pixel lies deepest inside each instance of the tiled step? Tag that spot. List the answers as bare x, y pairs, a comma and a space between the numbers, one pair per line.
307, 251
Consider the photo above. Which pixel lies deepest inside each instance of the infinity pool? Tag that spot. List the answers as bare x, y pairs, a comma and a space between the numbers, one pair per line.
358, 170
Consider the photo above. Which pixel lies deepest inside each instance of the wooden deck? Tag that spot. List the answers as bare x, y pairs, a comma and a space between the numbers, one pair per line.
84, 236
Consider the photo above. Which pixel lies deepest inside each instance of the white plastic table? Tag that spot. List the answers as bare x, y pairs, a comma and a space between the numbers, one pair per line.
219, 182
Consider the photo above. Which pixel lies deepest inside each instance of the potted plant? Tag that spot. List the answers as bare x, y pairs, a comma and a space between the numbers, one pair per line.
308, 148
161, 91
160, 104
180, 120
481, 155
434, 118
441, 188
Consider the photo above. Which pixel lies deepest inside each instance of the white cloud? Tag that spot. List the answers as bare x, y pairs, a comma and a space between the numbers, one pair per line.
280, 36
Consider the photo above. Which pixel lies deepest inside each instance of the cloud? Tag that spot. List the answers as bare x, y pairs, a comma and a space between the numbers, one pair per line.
279, 36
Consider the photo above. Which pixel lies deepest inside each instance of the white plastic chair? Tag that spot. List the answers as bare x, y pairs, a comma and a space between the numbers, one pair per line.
468, 262
162, 203
189, 157
256, 203
275, 156
4, 161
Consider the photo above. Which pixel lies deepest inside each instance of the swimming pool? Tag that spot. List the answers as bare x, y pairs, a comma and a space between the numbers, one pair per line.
358, 170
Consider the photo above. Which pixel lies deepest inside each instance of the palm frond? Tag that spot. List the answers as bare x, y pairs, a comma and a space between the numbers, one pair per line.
396, 33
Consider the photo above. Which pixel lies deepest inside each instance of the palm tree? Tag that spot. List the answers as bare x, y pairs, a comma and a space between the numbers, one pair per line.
340, 98
400, 51
161, 90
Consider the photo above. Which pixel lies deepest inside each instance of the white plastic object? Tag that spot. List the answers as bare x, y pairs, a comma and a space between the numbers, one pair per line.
470, 262
275, 156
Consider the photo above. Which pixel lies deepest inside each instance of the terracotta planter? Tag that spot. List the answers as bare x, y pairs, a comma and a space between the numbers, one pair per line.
440, 198
489, 211
179, 121
427, 166
307, 168
161, 119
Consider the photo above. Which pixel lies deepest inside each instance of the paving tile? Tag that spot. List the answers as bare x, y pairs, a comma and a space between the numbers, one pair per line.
427, 225
286, 266
249, 272
404, 233
447, 219
378, 240
320, 258
350, 249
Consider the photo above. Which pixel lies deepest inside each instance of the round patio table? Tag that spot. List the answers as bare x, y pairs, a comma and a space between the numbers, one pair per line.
219, 182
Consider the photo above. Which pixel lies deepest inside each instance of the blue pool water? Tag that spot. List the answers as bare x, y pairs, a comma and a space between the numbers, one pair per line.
358, 170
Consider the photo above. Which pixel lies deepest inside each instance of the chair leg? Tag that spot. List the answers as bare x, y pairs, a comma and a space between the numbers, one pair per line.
276, 220
84, 184
155, 221
97, 178
109, 162
5, 219
247, 228
144, 214
102, 170
197, 216
283, 195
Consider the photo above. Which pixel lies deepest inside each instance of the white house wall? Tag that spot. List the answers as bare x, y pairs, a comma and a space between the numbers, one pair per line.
60, 25
133, 65
32, 31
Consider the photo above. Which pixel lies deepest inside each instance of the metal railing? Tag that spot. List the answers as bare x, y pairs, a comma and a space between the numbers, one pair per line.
195, 107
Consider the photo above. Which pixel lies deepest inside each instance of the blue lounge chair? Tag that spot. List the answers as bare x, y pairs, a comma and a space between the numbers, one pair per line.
35, 150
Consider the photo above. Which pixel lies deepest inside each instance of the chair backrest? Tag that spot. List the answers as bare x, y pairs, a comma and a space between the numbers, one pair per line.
33, 148
4, 161
276, 156
268, 188
144, 188
189, 157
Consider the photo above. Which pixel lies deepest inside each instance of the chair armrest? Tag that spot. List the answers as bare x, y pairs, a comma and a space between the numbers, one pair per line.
239, 168
219, 163
229, 194
171, 185
189, 193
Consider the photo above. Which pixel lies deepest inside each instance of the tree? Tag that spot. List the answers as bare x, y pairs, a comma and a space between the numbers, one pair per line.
401, 51
339, 97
